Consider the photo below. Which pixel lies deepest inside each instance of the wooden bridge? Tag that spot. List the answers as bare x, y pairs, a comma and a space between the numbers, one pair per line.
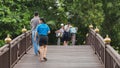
95, 54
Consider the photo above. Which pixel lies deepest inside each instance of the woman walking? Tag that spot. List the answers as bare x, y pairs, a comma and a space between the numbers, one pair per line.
59, 34
42, 32
66, 36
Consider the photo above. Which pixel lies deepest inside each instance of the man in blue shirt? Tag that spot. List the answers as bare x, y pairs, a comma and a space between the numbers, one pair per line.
42, 31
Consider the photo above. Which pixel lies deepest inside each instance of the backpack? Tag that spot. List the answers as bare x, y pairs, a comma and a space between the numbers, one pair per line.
73, 30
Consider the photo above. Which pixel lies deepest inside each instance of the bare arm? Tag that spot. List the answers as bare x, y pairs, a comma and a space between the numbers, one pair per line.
58, 31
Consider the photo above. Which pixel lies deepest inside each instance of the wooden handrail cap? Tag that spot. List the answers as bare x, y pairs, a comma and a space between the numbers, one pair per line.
97, 30
91, 26
24, 30
107, 39
8, 39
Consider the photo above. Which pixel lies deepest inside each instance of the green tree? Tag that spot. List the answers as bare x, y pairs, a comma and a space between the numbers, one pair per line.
104, 14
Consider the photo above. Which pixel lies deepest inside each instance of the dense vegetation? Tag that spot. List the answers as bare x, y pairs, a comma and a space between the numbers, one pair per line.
105, 14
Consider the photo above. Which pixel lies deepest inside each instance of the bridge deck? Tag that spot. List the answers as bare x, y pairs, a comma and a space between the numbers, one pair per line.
62, 57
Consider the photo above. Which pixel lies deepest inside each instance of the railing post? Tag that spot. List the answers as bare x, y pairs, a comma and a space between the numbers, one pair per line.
105, 56
90, 28
95, 41
24, 30
10, 55
25, 43
107, 41
8, 40
104, 62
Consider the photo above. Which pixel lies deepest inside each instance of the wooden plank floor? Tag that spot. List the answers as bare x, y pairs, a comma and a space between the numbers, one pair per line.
62, 57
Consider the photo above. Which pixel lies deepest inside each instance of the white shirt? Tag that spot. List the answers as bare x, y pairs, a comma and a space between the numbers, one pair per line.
61, 30
67, 28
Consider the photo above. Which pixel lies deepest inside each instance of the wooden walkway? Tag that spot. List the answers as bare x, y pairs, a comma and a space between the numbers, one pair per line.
62, 57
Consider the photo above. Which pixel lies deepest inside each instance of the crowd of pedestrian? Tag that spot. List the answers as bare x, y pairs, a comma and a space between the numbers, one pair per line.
66, 34
40, 31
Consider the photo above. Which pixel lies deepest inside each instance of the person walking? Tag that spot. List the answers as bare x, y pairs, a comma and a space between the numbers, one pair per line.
59, 34
42, 31
66, 35
34, 23
73, 31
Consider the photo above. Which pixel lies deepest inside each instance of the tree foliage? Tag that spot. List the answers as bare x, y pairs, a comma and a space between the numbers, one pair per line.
105, 14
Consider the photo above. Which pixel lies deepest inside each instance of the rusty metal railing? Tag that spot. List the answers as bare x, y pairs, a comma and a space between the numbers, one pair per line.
11, 53
107, 55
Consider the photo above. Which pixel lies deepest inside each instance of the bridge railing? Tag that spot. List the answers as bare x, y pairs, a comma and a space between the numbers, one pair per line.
107, 55
11, 53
